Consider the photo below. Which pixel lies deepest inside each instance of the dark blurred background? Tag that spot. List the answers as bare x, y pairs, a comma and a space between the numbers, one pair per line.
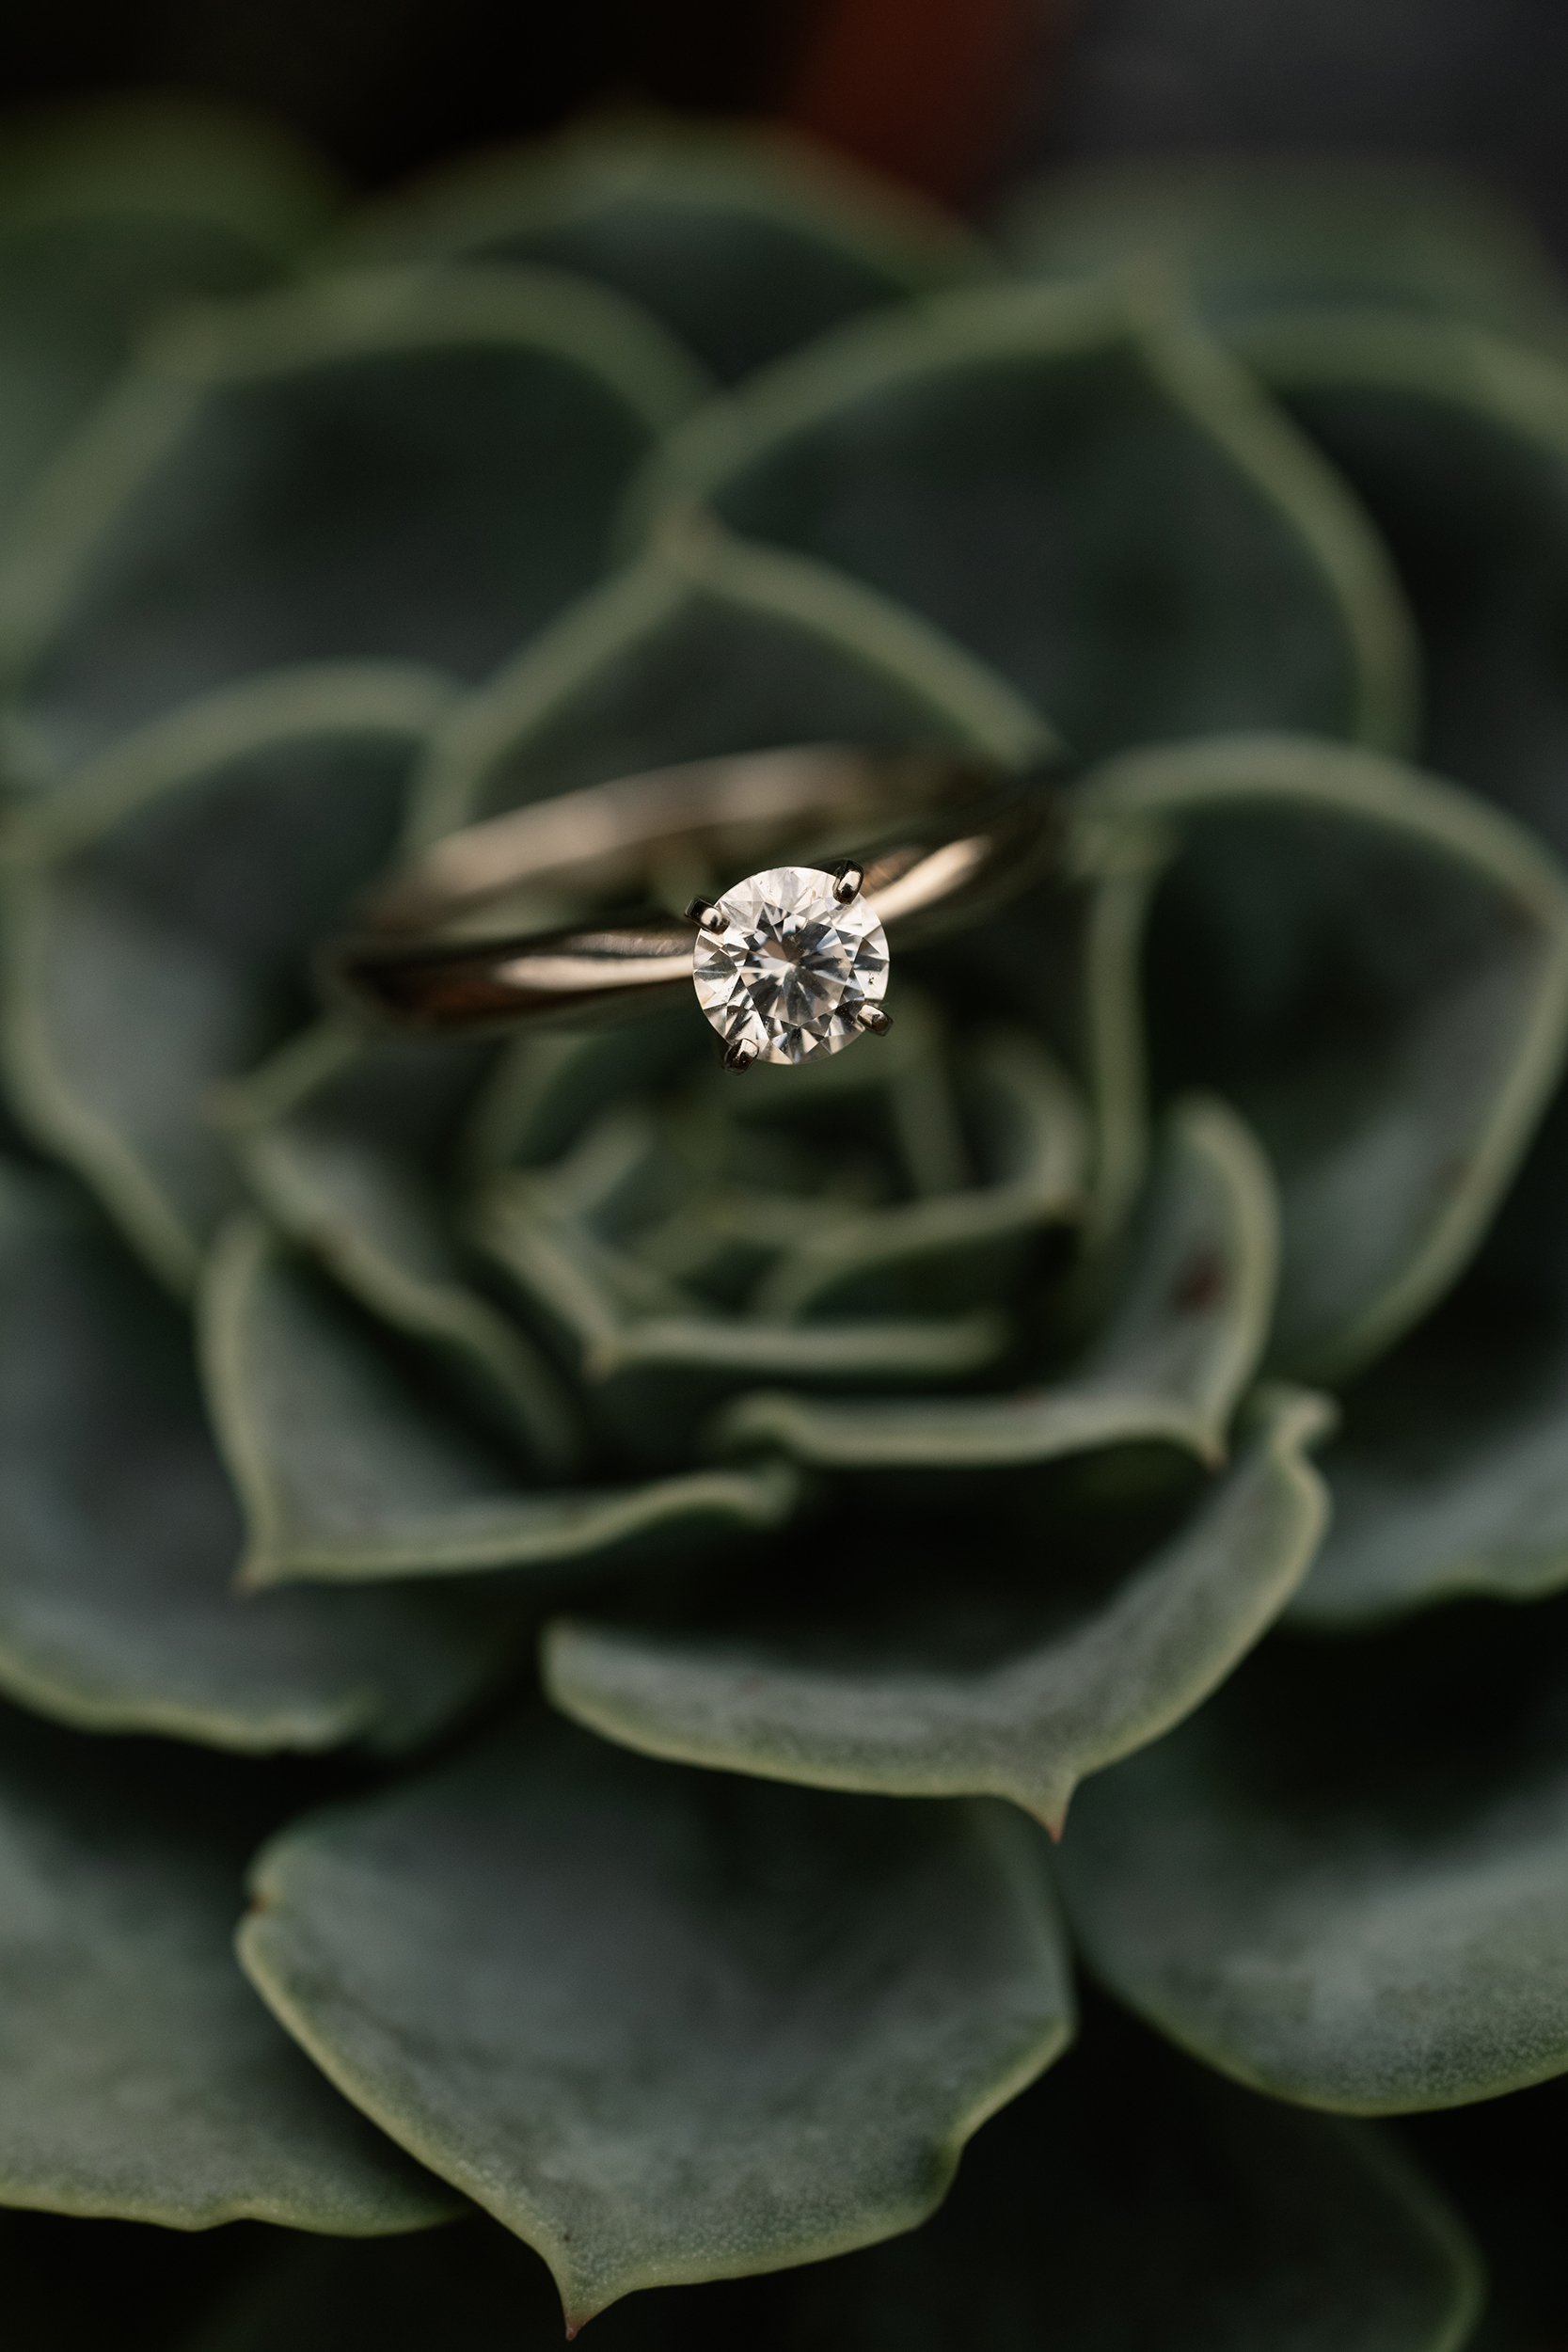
954, 94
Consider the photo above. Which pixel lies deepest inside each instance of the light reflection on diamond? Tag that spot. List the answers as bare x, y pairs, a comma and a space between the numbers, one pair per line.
791, 968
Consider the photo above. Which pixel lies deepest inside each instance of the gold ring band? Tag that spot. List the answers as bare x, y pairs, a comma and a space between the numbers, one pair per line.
439, 946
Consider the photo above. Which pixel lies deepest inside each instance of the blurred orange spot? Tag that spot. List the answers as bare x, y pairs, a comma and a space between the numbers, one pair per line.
931, 91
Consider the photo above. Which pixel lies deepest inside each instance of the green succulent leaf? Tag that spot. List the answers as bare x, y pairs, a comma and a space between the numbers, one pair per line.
706, 645
1280, 239
1345, 1882
1069, 1682
1183, 2214
608, 1237
350, 1465
1374, 967
161, 911
1451, 1476
1456, 442
665, 2024
143, 2077
1068, 956
108, 214
337, 471
1071, 482
344, 1140
1180, 1345
119, 1538
1226, 2222
972, 1241
1418, 333
744, 244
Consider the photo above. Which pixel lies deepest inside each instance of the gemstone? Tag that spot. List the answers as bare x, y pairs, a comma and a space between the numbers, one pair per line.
791, 968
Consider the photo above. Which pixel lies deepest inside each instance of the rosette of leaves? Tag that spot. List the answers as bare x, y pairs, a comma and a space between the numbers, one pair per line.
687, 1601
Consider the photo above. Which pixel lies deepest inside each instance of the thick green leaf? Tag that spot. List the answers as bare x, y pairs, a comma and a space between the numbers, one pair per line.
1452, 1473
1065, 1680
1125, 2203
108, 214
1417, 332
959, 1240
1276, 238
348, 1143
1131, 2204
672, 1266
1074, 485
119, 1538
706, 645
1457, 444
1345, 1882
161, 913
143, 2077
386, 465
667, 2025
1374, 967
351, 1465
1067, 957
1182, 1341
744, 244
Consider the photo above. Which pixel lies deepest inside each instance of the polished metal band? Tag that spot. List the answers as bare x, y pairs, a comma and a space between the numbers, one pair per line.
446, 946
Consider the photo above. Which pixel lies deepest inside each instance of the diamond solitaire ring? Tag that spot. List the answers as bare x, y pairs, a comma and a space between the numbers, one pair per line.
542, 913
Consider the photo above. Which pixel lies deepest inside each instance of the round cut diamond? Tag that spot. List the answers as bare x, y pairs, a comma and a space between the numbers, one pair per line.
791, 968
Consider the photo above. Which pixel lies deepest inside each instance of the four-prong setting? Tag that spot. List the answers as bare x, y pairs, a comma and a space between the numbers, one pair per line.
790, 964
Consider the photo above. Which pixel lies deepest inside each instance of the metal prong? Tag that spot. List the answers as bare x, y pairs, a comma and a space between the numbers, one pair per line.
848, 874
740, 1056
704, 915
872, 1017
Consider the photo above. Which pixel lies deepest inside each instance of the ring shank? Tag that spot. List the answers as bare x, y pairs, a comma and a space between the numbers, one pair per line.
942, 838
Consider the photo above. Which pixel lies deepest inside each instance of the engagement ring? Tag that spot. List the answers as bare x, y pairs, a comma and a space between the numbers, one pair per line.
789, 963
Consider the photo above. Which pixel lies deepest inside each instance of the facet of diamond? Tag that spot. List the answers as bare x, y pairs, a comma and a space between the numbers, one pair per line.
791, 968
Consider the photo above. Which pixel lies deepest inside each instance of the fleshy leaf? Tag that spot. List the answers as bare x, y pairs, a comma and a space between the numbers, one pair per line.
1374, 967
744, 245
1277, 238
351, 1464
1451, 1474
973, 1240
1131, 2199
143, 2077
1067, 1681
1416, 331
1217, 2219
1345, 1882
1180, 1344
667, 2025
108, 214
162, 910
119, 1538
1072, 482
346, 1143
391, 465
614, 1239
702, 647
1456, 442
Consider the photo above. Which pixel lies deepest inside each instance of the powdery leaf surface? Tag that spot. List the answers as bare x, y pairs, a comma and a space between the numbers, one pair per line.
667, 2025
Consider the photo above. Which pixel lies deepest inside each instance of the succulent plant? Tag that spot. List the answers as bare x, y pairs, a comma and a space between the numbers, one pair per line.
691, 1600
